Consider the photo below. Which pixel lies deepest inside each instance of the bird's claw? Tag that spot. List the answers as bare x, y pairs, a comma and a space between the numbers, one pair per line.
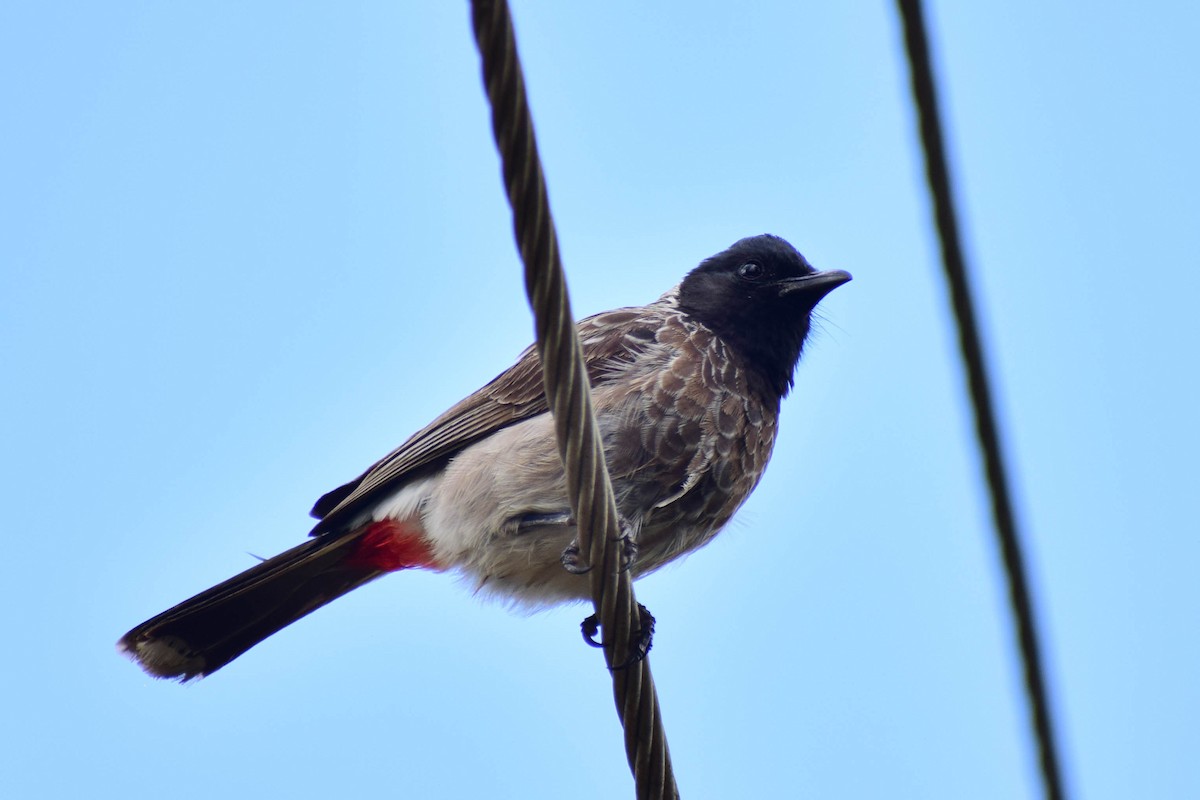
590, 627
628, 551
572, 562
641, 638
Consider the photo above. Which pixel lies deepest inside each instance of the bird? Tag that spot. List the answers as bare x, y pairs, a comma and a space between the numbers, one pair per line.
687, 392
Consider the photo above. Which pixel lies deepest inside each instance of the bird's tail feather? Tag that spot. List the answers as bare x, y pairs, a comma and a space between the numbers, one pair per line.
206, 632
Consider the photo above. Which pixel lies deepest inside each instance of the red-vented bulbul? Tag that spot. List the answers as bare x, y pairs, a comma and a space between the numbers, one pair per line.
687, 393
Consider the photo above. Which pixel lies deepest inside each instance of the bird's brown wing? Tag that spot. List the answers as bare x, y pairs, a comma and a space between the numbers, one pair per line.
609, 340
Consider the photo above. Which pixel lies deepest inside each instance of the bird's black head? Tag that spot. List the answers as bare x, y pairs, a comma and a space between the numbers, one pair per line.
759, 296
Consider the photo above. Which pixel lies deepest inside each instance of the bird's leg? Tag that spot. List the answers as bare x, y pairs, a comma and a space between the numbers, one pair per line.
522, 524
641, 638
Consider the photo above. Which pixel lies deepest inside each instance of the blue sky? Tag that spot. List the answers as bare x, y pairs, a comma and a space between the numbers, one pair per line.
246, 249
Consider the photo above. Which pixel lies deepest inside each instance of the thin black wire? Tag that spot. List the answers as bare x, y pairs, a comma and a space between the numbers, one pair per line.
986, 427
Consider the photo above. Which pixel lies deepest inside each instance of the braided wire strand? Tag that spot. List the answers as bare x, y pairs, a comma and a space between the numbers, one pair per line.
569, 397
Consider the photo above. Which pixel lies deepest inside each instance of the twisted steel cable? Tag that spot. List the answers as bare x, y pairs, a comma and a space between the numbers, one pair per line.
986, 426
569, 397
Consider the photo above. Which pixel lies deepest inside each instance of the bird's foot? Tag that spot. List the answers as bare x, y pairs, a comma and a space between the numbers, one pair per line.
572, 560
641, 638
572, 556
628, 552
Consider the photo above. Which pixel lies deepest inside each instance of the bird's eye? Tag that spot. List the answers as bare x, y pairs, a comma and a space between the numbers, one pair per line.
751, 271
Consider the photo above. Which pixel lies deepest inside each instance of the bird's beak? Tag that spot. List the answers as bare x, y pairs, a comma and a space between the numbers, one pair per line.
815, 286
